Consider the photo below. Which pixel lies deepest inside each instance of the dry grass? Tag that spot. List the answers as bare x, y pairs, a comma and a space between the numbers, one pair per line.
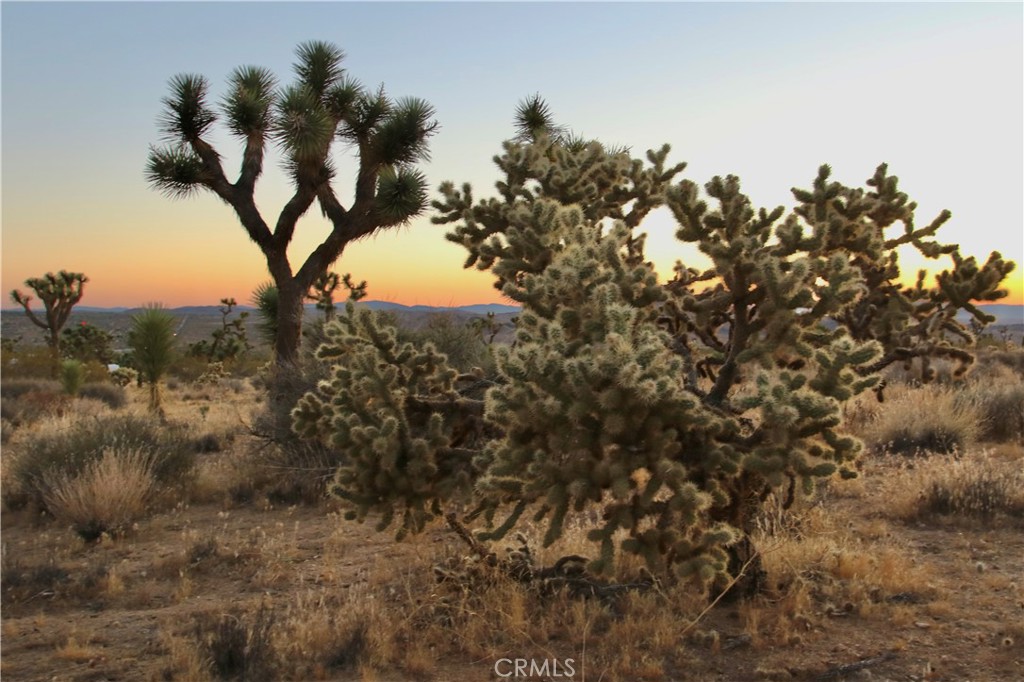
107, 496
257, 588
983, 485
914, 420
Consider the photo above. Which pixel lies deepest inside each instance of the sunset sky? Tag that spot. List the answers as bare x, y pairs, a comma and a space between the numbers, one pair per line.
767, 92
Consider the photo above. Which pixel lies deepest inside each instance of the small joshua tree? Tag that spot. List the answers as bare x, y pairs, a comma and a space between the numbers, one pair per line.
676, 407
323, 105
59, 293
152, 341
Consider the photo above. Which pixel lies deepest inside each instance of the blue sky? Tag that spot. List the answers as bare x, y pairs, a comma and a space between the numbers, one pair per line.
764, 91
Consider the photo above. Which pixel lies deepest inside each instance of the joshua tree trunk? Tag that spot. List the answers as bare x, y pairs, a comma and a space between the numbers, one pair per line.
289, 323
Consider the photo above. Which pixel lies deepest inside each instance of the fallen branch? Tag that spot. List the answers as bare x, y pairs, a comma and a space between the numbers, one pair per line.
839, 671
568, 572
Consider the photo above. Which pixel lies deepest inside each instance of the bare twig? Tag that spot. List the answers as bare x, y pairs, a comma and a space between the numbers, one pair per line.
839, 671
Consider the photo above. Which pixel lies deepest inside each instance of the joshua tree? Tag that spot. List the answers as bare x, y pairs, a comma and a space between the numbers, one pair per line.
305, 118
59, 294
152, 341
677, 407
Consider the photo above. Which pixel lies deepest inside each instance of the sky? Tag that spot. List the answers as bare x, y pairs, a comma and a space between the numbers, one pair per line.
766, 91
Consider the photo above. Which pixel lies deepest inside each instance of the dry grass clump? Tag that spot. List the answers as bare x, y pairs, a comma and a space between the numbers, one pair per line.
19, 582
1000, 406
982, 487
26, 401
107, 496
238, 645
111, 395
816, 566
67, 447
929, 418
1009, 358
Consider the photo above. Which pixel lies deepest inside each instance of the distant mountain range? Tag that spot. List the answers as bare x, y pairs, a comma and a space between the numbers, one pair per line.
1004, 314
477, 309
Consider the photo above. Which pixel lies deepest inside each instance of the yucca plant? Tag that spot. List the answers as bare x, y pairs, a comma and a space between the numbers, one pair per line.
72, 376
323, 105
152, 341
265, 297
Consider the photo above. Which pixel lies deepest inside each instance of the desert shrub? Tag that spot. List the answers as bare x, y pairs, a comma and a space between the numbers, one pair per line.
1014, 359
1000, 407
72, 376
124, 376
981, 488
70, 449
237, 645
86, 342
112, 395
213, 374
107, 496
152, 340
28, 401
234, 385
15, 388
459, 341
30, 362
924, 419
188, 368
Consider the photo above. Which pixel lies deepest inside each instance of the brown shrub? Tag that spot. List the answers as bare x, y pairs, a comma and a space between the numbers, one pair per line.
107, 496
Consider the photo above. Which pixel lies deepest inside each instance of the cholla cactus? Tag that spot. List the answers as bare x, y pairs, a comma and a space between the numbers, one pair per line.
124, 376
393, 410
674, 407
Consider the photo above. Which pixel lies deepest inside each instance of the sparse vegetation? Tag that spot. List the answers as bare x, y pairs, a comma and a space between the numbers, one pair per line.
927, 419
978, 486
87, 342
68, 448
666, 479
